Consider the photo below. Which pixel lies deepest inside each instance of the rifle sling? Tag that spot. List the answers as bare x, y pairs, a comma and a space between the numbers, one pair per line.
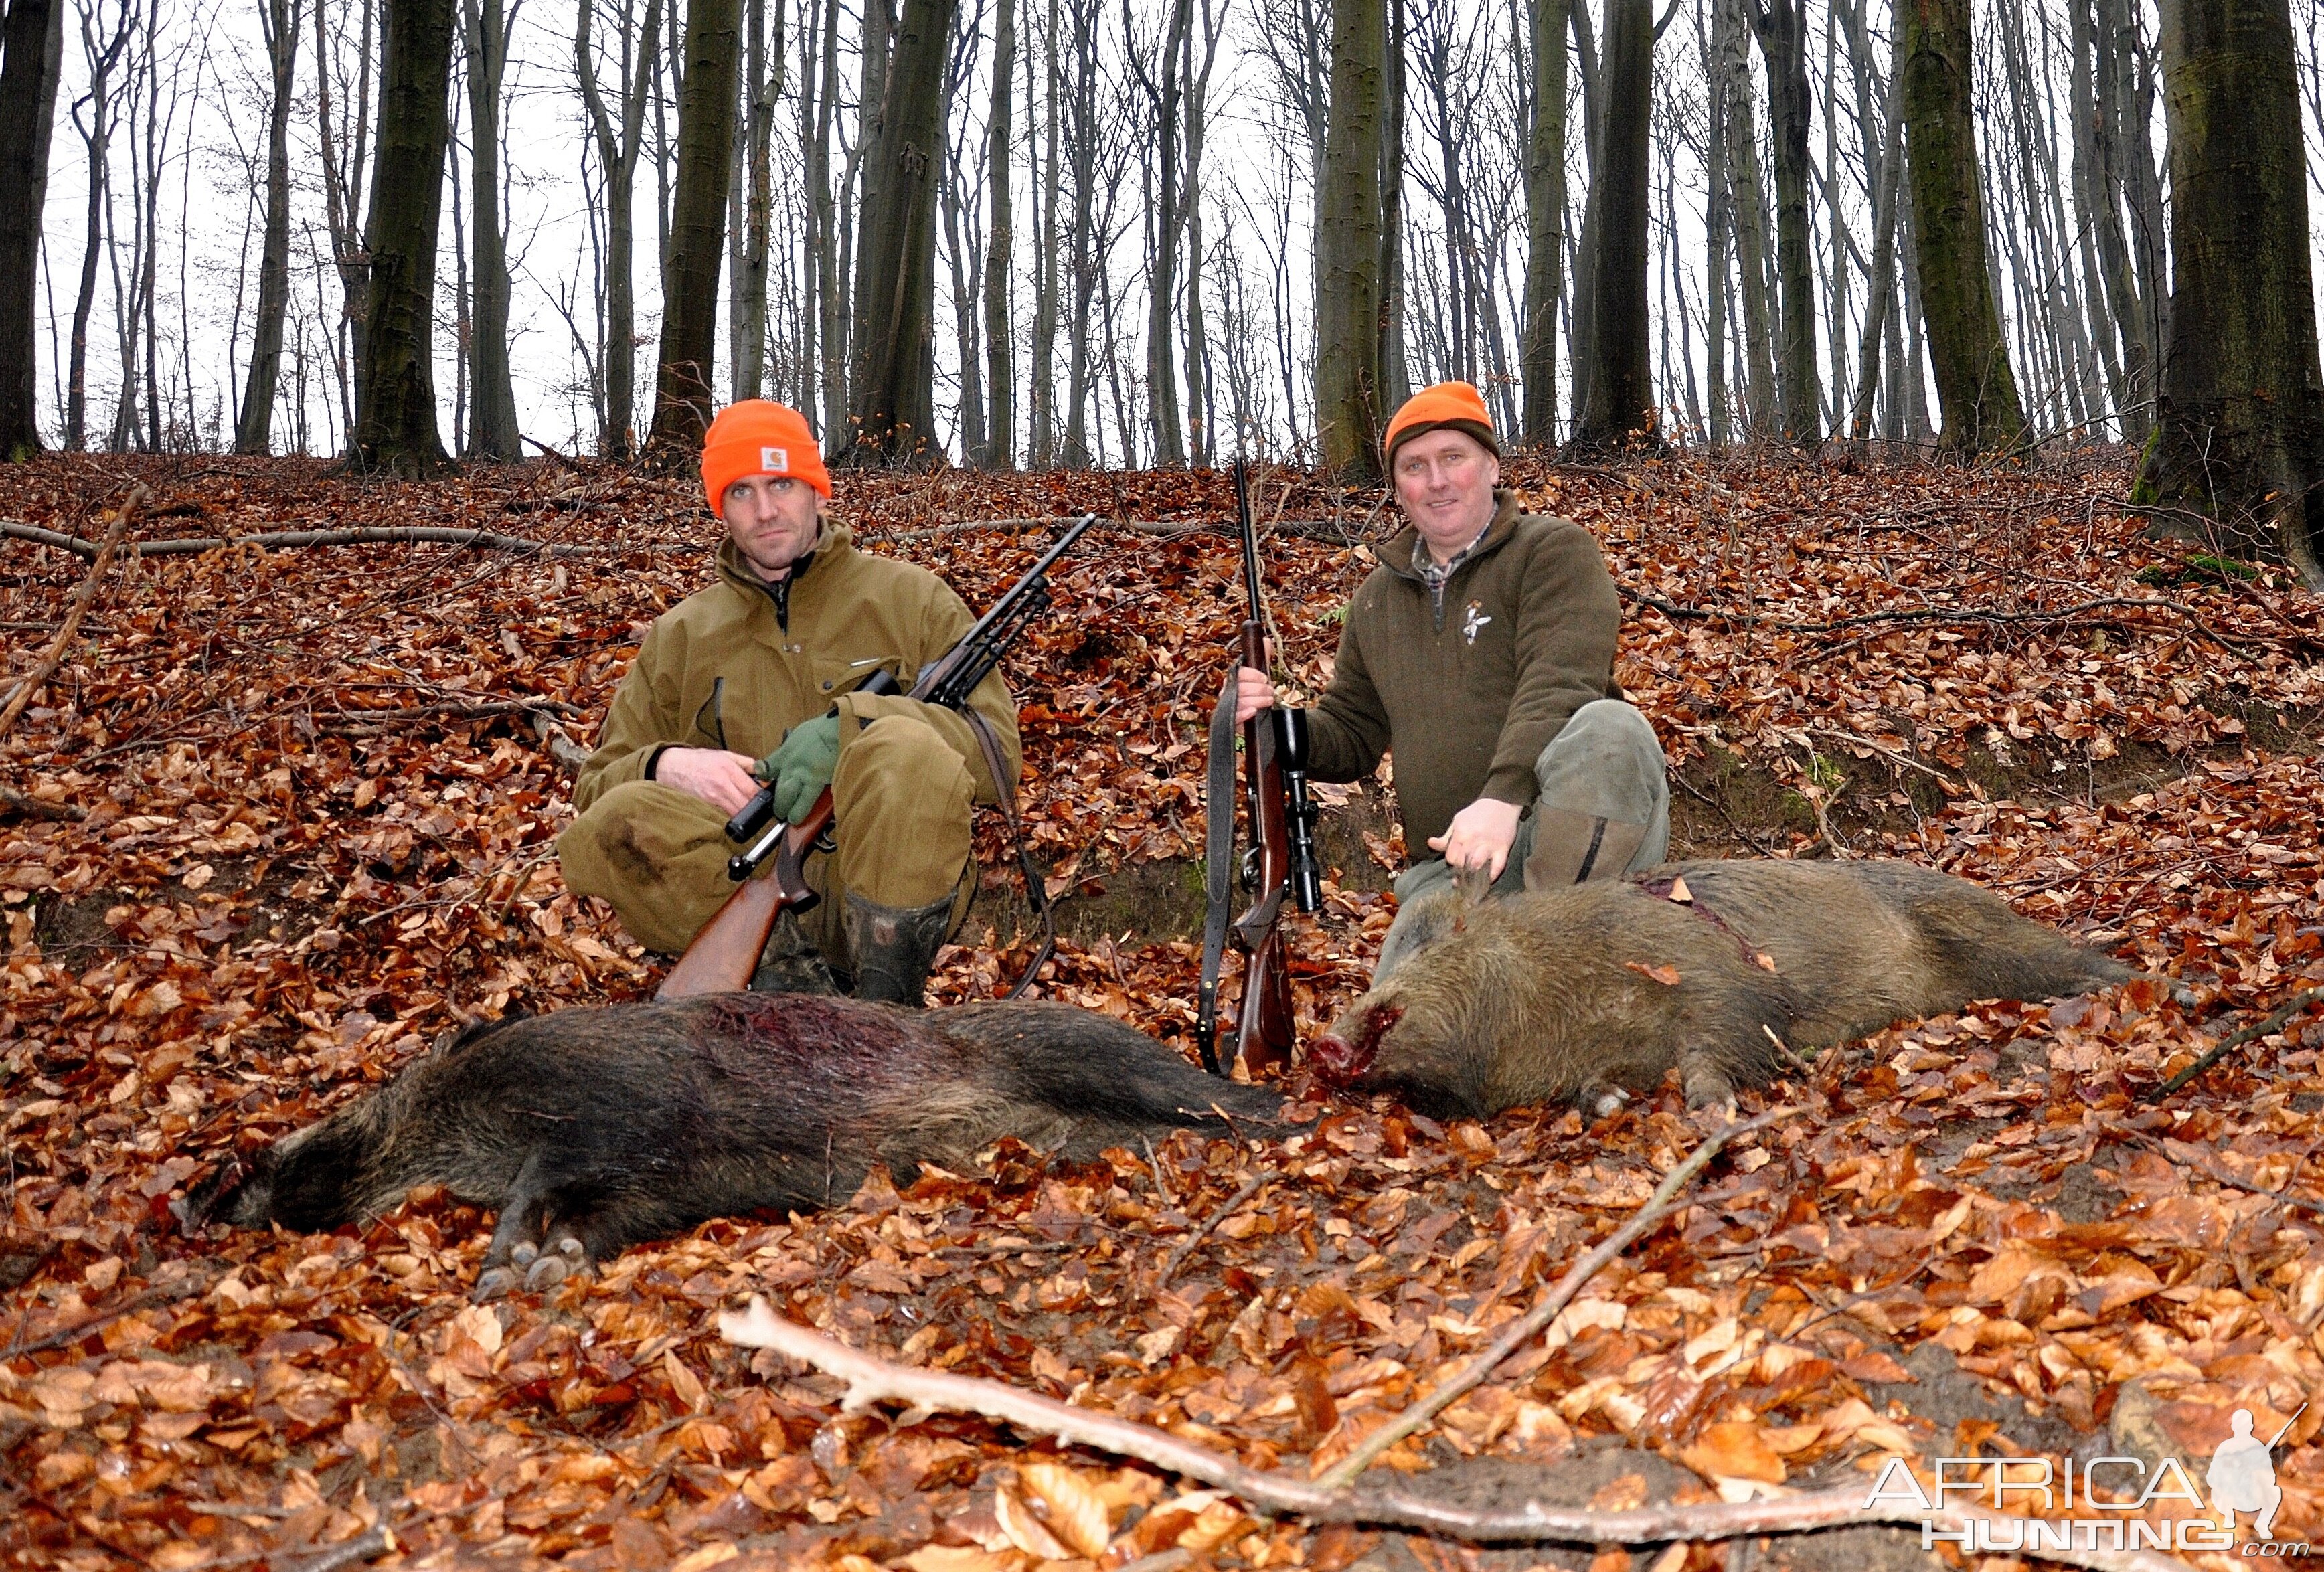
1218, 838
1036, 895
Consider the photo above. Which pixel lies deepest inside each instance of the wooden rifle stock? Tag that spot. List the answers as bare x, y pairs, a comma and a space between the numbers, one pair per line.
1263, 1033
725, 953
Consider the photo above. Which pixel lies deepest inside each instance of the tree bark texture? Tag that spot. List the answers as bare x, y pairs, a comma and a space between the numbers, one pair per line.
32, 44
493, 433
762, 86
395, 417
1781, 29
1348, 413
1622, 408
894, 406
1976, 391
1001, 414
683, 401
617, 155
254, 431
1545, 220
2239, 436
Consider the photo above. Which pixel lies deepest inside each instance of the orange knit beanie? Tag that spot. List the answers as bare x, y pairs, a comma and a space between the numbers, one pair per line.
1457, 405
758, 436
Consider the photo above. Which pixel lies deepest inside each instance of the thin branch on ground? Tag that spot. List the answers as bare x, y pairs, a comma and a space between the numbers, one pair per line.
871, 1380
2260, 1028
368, 534
101, 559
1186, 1246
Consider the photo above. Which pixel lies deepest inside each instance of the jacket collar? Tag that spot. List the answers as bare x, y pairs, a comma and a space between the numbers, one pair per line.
832, 547
1396, 555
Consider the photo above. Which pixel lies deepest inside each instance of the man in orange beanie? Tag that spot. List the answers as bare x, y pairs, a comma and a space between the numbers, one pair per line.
1481, 651
754, 680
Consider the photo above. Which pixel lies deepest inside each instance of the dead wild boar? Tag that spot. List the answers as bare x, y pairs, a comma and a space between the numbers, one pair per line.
1577, 994
595, 1129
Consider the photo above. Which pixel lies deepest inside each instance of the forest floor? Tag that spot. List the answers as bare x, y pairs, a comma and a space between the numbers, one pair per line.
283, 817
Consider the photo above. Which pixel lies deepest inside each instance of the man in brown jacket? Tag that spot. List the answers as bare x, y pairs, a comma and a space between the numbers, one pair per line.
1480, 651
752, 679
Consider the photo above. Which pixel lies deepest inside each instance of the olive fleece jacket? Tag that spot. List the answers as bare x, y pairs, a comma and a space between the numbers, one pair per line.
718, 670
1469, 697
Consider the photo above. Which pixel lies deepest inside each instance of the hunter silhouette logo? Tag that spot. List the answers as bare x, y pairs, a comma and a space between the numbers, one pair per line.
1475, 620
2242, 1475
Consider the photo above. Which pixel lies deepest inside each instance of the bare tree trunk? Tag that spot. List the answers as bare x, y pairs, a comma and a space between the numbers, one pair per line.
343, 184
1974, 385
1082, 242
1747, 192
1164, 92
617, 155
2239, 435
1781, 29
954, 178
103, 55
31, 48
493, 433
1879, 309
764, 86
1044, 411
829, 274
1622, 406
253, 432
683, 394
893, 406
1201, 406
1348, 392
1001, 442
395, 414
1544, 189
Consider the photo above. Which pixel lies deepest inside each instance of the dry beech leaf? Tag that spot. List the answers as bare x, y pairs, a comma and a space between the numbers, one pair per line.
1734, 1451
964, 1559
1665, 975
1024, 1531
1077, 1514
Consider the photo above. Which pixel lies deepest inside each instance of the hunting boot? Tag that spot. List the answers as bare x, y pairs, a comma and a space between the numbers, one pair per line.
893, 949
791, 963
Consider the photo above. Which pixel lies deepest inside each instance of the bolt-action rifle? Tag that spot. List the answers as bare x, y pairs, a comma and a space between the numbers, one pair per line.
726, 951
1281, 858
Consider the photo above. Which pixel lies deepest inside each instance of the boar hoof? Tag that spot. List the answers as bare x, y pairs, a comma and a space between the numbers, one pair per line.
1707, 1084
524, 1253
569, 1260
1605, 1101
493, 1283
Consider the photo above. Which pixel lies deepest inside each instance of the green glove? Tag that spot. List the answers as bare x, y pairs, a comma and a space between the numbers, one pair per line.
801, 768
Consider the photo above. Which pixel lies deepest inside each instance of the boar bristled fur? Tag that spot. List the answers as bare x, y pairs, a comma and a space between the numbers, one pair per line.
1566, 996
595, 1129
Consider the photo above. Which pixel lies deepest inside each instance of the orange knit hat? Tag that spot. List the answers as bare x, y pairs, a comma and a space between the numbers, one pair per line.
758, 436
1457, 405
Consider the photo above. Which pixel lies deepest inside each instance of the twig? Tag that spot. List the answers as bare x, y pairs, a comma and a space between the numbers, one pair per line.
53, 657
2203, 1161
161, 1294
2285, 1012
1186, 1245
561, 748
1526, 1328
367, 534
1938, 614
40, 807
372, 1541
871, 1380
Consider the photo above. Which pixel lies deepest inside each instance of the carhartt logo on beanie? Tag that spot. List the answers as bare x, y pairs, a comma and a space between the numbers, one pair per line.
1454, 405
758, 436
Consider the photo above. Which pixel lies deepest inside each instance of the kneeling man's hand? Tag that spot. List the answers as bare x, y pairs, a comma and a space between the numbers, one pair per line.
1479, 834
718, 777
802, 766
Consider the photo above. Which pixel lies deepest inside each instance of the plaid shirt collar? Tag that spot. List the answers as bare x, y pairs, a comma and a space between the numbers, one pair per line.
1437, 578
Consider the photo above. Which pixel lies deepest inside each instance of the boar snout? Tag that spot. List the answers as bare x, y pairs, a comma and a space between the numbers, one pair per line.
1344, 1055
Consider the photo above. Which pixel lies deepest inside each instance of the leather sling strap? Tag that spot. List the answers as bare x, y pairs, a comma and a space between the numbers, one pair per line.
1036, 895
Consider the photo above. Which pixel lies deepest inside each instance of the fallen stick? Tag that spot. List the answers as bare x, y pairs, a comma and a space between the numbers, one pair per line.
559, 747
2260, 1028
53, 657
368, 534
872, 1380
40, 807
1526, 1328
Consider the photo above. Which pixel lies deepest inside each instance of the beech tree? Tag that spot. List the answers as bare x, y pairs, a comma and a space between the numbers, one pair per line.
684, 397
486, 27
894, 407
254, 431
1620, 404
32, 51
1349, 393
1975, 389
2238, 442
395, 428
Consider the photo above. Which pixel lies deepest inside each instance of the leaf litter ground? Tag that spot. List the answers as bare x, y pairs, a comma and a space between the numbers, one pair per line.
282, 818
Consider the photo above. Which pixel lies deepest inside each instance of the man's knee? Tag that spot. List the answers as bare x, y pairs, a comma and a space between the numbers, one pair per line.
1606, 763
901, 799
656, 853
